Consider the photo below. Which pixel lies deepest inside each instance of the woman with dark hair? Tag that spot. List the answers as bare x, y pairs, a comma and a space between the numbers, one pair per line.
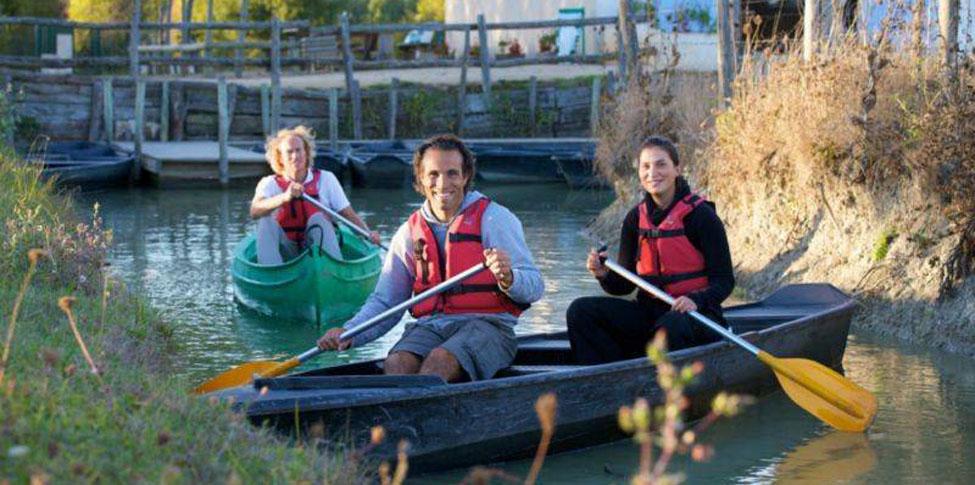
674, 239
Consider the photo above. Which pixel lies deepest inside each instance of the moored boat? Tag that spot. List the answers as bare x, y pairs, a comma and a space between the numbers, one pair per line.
84, 164
313, 286
456, 425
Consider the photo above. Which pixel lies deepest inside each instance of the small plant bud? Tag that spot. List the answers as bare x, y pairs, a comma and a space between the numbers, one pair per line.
545, 408
641, 414
264, 390
625, 417
688, 437
377, 435
701, 453
720, 403
65, 302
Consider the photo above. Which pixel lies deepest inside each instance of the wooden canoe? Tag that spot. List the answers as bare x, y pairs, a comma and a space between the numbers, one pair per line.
458, 425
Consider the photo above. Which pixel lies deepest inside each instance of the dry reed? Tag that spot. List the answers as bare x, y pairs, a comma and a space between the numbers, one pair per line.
33, 256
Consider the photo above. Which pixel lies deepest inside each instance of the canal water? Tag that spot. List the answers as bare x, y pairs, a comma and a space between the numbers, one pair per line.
175, 247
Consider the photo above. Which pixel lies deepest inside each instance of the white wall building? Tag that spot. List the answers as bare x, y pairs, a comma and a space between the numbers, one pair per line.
698, 48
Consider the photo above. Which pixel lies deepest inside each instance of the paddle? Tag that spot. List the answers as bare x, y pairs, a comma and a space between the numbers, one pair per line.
340, 218
821, 391
246, 373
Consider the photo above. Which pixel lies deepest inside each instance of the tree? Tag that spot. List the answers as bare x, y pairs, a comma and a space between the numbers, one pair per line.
32, 8
430, 11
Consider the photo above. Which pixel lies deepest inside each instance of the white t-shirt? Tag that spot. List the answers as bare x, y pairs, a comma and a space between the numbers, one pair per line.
330, 190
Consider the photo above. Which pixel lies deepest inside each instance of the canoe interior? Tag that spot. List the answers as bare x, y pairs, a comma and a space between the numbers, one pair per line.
549, 353
313, 286
85, 164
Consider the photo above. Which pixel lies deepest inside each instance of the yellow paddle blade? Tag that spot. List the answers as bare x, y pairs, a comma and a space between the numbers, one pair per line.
244, 374
824, 393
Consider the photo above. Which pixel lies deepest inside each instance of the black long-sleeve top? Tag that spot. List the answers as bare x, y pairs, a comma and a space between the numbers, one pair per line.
706, 233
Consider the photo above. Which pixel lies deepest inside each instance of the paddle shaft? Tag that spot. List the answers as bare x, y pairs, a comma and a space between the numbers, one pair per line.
341, 218
662, 295
362, 327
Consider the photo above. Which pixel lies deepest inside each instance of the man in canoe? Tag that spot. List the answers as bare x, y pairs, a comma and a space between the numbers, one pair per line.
466, 332
673, 239
284, 220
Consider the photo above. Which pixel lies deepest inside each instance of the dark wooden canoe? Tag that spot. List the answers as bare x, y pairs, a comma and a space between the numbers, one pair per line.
458, 425
83, 164
381, 164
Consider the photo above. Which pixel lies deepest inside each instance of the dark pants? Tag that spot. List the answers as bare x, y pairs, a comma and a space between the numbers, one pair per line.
604, 329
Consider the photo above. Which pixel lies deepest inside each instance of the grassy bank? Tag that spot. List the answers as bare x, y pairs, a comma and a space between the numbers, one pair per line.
134, 421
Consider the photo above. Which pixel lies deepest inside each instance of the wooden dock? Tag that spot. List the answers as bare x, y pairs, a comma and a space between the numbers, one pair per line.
196, 163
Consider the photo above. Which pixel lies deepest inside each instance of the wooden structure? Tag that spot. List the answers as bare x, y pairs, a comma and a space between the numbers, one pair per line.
459, 425
196, 163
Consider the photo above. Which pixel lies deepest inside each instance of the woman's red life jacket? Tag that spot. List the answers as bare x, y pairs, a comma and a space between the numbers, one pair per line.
667, 259
479, 293
293, 216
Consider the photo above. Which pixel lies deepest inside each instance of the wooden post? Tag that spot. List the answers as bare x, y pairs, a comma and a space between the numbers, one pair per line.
485, 51
208, 34
726, 52
611, 83
810, 28
140, 113
164, 111
628, 38
351, 86
185, 38
462, 92
223, 125
333, 118
532, 106
948, 11
737, 37
266, 109
134, 39
621, 55
392, 108
356, 111
179, 110
275, 74
241, 36
597, 89
96, 111
108, 100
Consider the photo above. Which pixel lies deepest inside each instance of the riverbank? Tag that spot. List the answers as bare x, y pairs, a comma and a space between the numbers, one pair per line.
134, 421
857, 170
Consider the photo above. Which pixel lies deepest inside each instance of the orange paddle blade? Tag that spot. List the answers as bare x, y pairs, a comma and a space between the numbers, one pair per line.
824, 393
245, 373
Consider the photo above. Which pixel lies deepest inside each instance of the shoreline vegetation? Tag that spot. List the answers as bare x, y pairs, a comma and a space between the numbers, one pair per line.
856, 169
134, 420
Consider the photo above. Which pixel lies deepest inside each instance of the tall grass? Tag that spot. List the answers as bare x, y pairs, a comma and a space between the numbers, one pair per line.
132, 420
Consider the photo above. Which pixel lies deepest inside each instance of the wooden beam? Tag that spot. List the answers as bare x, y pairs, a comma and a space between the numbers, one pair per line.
810, 28
208, 34
532, 106
356, 111
485, 52
597, 89
164, 111
333, 118
134, 39
96, 110
347, 51
108, 103
393, 105
462, 92
241, 37
179, 109
726, 52
223, 130
140, 120
266, 109
275, 75
630, 44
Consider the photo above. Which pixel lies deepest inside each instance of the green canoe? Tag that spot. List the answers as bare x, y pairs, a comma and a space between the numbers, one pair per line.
314, 286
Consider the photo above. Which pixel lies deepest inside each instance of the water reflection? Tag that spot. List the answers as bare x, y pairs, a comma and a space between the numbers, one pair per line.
175, 247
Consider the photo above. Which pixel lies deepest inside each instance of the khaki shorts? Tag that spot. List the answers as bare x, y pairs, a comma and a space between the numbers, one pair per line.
481, 346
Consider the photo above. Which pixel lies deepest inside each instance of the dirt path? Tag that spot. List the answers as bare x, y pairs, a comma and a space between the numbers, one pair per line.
434, 75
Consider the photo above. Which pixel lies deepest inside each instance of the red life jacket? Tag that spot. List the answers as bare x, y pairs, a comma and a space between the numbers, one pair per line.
667, 259
293, 216
479, 293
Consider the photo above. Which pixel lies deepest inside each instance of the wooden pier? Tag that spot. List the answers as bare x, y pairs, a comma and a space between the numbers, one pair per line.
196, 163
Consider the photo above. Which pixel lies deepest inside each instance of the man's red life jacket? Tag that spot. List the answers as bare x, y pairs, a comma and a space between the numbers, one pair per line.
293, 216
479, 293
667, 259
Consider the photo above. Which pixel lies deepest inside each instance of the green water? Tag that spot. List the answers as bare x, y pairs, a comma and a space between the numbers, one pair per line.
175, 247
